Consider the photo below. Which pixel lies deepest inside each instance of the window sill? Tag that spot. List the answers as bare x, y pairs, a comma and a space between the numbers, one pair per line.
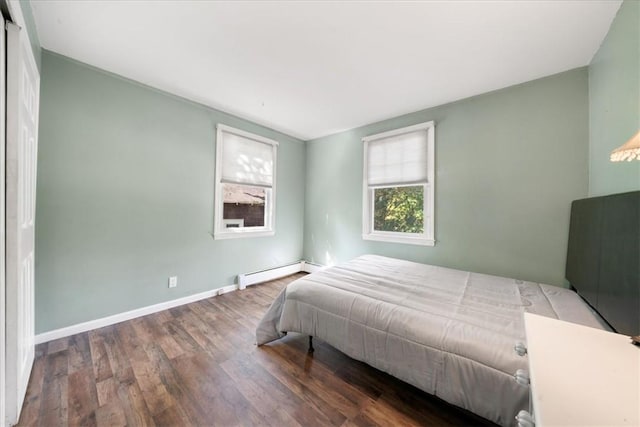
242, 234
410, 240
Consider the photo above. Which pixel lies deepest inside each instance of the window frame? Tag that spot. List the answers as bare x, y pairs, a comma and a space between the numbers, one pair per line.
220, 232
427, 237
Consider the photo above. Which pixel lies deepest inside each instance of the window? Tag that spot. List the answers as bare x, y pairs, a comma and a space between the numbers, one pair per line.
245, 192
398, 189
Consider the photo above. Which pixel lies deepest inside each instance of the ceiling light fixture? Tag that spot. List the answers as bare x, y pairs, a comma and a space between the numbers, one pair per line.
628, 151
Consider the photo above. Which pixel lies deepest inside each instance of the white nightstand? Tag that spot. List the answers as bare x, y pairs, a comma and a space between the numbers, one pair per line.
581, 376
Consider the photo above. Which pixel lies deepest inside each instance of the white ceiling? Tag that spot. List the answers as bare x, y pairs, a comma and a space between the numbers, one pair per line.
310, 69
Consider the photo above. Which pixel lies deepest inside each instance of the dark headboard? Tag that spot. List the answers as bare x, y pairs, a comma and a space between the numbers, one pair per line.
603, 257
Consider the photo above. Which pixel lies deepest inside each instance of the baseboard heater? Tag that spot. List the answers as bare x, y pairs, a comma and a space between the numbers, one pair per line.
248, 279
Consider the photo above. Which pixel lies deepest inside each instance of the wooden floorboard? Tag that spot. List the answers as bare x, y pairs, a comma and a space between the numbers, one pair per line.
197, 364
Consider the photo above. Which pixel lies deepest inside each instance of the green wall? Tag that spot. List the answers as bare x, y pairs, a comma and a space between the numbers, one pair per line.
508, 165
614, 103
125, 198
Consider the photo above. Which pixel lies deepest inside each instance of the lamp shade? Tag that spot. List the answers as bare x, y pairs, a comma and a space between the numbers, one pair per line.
630, 150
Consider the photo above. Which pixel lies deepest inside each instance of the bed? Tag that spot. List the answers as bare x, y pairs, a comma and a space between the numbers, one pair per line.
448, 332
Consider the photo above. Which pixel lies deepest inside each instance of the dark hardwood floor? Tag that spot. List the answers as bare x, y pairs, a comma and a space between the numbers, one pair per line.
198, 365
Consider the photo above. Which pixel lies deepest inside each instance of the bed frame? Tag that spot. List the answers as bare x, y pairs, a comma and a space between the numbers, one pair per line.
603, 257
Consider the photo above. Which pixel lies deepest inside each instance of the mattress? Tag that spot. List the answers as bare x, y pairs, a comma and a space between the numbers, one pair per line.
448, 332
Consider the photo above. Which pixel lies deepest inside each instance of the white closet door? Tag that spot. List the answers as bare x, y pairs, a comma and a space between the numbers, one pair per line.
23, 89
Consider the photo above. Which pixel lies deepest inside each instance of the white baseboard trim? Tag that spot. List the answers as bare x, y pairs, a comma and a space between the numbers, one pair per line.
128, 315
226, 289
244, 280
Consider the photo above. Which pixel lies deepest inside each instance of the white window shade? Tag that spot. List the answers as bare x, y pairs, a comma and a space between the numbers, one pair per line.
247, 161
398, 159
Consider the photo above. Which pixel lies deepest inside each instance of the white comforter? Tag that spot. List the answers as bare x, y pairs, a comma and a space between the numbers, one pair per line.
448, 332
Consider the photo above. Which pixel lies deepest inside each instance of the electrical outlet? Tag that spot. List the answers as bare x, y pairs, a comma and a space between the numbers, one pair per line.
173, 281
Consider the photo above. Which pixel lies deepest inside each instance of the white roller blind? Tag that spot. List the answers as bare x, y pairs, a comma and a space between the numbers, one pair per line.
398, 159
246, 161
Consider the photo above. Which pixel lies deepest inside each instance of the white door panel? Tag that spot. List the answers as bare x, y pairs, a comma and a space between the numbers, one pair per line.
23, 86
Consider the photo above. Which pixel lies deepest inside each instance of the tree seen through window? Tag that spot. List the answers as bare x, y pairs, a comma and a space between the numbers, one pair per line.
399, 209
